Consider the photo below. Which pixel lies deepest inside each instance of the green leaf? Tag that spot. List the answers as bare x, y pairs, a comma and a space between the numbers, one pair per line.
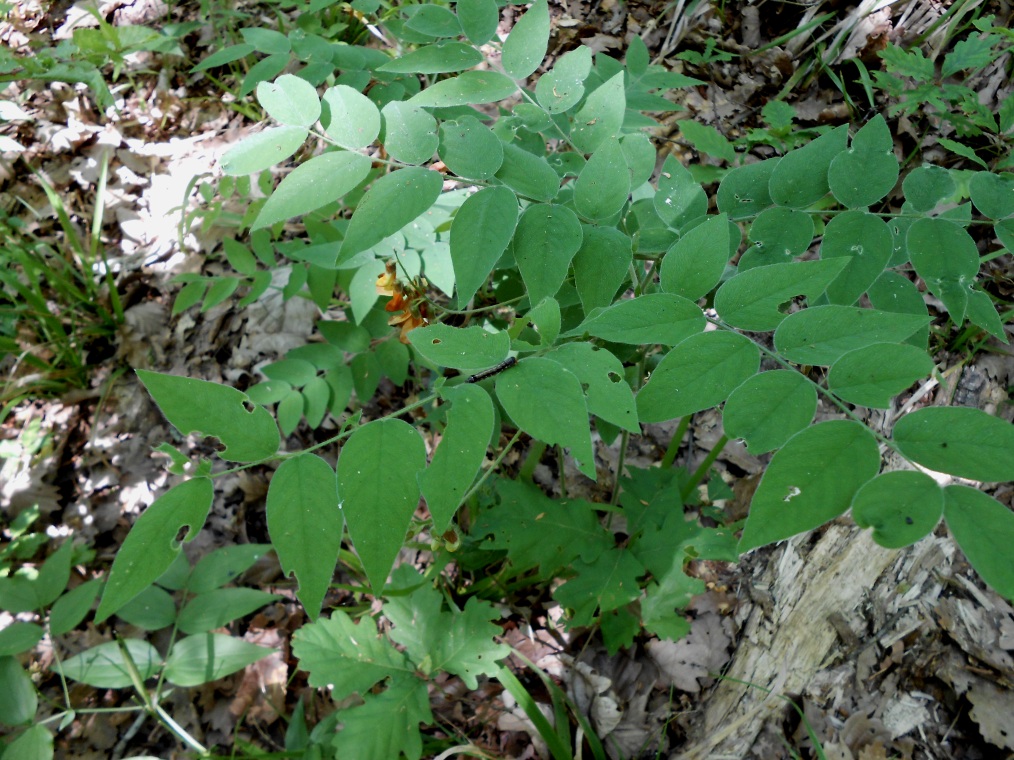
435, 59
378, 490
679, 198
606, 584
867, 171
778, 235
907, 63
873, 375
547, 402
697, 374
70, 609
432, 20
152, 609
809, 481
224, 565
526, 45
290, 412
53, 576
18, 698
349, 658
393, 201
350, 118
479, 19
601, 266
973, 52
946, 257
545, 241
800, 178
36, 743
224, 56
219, 607
744, 191
290, 100
653, 318
400, 709
151, 546
601, 375
468, 88
993, 194
545, 318
346, 335
927, 186
981, 312
562, 88
821, 335
208, 657
962, 150
317, 398
603, 186
984, 529
103, 666
263, 71
538, 532
601, 116
460, 453
305, 524
464, 348
706, 139
480, 233
197, 406
769, 408
695, 263
266, 41
527, 174
639, 153
896, 293
314, 183
263, 150
239, 256
901, 507
19, 637
756, 299
866, 240
673, 592
451, 641
469, 148
410, 132
221, 288
960, 441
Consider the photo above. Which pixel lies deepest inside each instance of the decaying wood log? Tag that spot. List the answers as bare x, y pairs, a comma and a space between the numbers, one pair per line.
788, 638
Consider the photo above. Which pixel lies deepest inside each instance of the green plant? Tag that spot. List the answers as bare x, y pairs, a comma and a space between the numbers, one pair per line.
192, 601
921, 87
53, 306
570, 259
82, 58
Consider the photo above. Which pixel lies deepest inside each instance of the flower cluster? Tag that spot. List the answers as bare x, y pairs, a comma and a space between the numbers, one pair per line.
407, 307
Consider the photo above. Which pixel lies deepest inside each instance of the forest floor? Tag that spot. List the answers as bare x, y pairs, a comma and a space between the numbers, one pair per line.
921, 667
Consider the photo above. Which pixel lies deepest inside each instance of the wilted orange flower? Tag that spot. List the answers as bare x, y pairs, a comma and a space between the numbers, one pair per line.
405, 314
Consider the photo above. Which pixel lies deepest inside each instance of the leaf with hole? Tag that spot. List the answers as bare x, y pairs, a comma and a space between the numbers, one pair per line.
246, 430
153, 542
